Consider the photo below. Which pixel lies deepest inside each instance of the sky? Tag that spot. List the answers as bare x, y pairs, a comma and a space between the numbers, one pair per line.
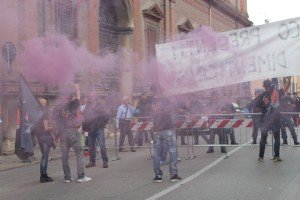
273, 10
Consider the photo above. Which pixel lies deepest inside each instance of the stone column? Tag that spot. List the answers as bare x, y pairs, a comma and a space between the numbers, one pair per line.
126, 61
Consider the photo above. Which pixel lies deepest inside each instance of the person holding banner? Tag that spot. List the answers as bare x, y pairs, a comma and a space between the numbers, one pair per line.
268, 102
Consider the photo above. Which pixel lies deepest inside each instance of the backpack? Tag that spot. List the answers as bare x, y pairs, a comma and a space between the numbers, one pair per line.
297, 103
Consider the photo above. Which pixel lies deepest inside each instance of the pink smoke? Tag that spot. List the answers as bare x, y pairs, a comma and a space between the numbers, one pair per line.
53, 60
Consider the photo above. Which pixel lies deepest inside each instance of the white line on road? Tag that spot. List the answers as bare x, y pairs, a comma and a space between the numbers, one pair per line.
193, 176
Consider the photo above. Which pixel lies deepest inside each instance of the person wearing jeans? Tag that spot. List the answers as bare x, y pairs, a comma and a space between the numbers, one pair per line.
95, 119
71, 140
69, 137
169, 137
98, 136
42, 130
163, 128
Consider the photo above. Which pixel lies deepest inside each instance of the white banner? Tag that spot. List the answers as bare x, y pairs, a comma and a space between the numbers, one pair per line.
209, 61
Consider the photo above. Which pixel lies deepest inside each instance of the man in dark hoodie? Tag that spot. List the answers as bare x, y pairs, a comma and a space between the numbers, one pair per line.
94, 120
163, 128
268, 102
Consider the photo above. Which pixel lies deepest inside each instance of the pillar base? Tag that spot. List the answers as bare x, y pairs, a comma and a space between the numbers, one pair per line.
8, 147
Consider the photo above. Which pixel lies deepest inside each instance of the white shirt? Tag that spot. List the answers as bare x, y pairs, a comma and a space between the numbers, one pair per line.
124, 112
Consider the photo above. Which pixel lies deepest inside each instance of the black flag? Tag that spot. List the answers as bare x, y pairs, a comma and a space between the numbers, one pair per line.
31, 112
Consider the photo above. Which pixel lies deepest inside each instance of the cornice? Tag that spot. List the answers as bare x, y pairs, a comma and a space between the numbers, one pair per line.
233, 12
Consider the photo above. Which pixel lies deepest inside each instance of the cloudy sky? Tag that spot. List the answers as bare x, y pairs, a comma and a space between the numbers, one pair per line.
273, 10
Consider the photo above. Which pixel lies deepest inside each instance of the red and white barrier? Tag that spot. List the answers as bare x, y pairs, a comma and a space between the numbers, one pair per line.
141, 126
231, 123
198, 123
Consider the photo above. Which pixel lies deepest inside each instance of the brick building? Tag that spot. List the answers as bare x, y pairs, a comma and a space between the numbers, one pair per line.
104, 25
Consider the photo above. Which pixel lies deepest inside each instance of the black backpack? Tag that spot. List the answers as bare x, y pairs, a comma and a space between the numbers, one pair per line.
297, 103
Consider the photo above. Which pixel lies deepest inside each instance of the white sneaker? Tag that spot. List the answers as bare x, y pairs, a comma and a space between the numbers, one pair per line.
69, 180
84, 179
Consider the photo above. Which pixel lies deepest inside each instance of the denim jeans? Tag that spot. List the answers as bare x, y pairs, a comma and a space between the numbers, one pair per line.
45, 149
275, 128
71, 139
169, 137
99, 136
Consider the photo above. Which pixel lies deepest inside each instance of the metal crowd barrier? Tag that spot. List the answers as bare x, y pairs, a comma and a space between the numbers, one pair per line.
186, 126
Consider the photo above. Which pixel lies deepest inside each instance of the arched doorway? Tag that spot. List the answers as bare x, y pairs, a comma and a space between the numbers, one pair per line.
115, 29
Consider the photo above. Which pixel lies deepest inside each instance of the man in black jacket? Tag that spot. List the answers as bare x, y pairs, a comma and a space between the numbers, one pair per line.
94, 120
163, 128
268, 102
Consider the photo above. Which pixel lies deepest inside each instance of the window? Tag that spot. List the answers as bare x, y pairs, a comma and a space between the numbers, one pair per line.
66, 18
152, 17
151, 40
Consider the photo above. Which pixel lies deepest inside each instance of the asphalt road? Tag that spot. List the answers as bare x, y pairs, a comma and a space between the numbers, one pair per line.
207, 177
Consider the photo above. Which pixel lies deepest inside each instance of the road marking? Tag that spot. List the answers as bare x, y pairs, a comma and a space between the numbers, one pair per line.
193, 176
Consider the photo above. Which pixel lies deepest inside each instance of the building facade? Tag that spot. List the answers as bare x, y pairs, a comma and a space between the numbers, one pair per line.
133, 26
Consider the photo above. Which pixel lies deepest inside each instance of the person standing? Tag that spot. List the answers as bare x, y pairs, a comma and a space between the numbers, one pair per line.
163, 132
143, 110
182, 111
84, 134
42, 130
286, 105
71, 120
255, 117
123, 122
95, 119
195, 109
268, 102
214, 107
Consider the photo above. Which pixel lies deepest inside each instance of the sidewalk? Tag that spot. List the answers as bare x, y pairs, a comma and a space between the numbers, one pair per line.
12, 161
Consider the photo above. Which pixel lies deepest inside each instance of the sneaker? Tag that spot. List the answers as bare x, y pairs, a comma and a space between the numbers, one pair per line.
175, 178
260, 159
157, 179
121, 149
277, 159
105, 165
84, 179
90, 165
69, 180
296, 143
133, 150
234, 143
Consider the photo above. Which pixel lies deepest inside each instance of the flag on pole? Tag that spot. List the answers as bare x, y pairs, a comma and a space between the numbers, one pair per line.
31, 111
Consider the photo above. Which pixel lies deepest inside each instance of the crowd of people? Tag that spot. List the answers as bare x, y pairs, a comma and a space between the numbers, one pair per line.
70, 120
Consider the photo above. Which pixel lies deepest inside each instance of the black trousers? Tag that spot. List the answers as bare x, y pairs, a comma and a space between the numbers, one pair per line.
223, 139
125, 129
